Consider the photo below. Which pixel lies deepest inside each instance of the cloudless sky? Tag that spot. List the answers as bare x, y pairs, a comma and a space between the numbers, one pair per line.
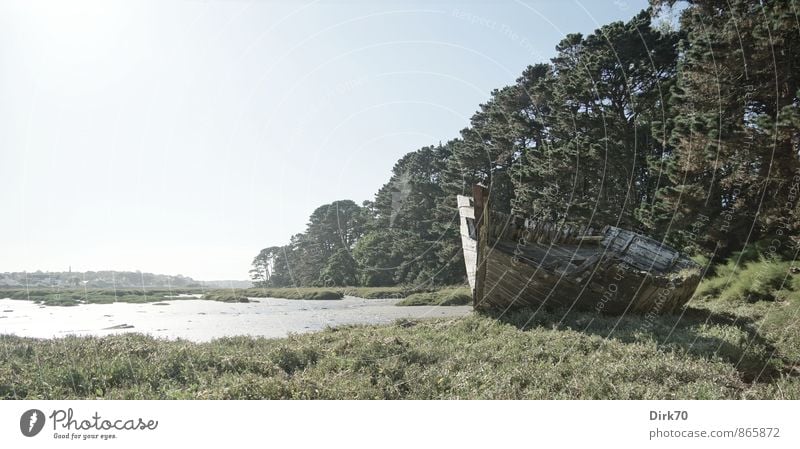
184, 136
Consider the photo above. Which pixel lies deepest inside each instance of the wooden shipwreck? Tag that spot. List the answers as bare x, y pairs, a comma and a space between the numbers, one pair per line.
514, 262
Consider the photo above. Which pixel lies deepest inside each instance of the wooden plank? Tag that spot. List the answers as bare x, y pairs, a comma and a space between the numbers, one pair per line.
479, 201
468, 244
554, 266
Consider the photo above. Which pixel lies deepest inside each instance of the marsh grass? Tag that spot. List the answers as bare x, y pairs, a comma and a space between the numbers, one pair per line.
548, 357
757, 280
445, 297
705, 353
294, 293
74, 297
321, 293
725, 347
379, 292
226, 296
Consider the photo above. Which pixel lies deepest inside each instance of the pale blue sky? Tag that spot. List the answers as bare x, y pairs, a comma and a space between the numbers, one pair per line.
184, 136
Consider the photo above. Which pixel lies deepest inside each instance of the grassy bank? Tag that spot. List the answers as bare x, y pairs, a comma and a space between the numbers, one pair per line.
74, 297
243, 295
722, 346
295, 293
545, 355
321, 293
445, 297
701, 354
379, 292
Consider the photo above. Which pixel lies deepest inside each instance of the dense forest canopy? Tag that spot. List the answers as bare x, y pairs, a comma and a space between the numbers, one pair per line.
689, 135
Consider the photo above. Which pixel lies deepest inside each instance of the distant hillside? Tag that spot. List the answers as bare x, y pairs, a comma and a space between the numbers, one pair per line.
97, 279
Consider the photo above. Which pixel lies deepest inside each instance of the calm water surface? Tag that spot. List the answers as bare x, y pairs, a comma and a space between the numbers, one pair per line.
200, 320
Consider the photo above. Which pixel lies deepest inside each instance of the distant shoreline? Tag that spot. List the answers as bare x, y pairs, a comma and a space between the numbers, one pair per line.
453, 295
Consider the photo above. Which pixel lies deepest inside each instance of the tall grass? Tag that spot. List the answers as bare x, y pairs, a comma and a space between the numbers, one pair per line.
735, 340
295, 293
73, 297
544, 355
445, 297
758, 280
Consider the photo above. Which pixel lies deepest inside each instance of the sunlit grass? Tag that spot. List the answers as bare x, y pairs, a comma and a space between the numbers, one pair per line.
74, 297
445, 297
724, 347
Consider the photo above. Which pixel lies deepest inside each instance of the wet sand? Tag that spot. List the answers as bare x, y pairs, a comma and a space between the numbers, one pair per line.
200, 320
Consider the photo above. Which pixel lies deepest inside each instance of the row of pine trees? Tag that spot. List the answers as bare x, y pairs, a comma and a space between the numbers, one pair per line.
686, 131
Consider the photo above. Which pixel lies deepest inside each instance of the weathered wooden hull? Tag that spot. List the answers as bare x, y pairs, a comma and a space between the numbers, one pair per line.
611, 271
469, 244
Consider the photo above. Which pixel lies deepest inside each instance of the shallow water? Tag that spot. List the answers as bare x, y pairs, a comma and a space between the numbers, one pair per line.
200, 320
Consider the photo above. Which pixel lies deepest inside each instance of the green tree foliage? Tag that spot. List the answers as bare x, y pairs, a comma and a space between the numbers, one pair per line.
309, 259
593, 155
339, 270
415, 215
734, 122
376, 258
264, 265
391, 256
689, 135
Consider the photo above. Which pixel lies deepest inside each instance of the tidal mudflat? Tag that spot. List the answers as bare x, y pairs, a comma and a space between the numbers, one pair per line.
199, 320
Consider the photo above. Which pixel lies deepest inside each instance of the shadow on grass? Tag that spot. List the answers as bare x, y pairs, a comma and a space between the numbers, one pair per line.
698, 332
